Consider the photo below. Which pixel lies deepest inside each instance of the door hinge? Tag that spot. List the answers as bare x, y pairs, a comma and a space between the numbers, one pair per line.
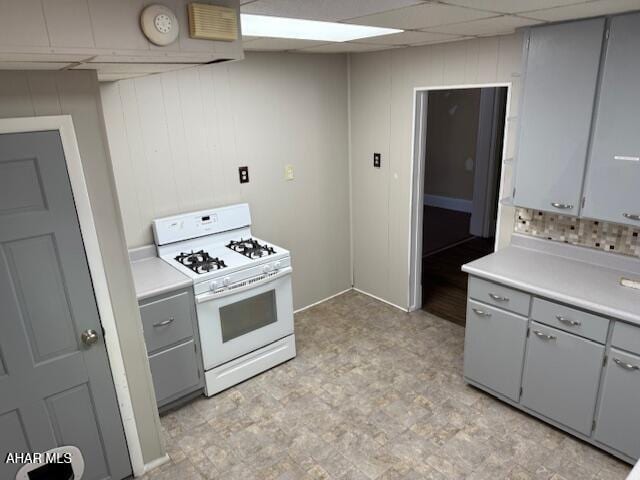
521, 390
606, 33
528, 332
584, 199
103, 332
604, 361
593, 426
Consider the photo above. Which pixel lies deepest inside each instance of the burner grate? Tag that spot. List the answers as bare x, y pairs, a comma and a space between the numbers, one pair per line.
200, 261
250, 248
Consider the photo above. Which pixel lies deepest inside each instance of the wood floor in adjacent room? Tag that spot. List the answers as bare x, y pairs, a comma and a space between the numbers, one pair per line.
374, 393
444, 284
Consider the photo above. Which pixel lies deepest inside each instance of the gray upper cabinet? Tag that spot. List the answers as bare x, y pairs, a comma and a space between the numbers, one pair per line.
561, 74
612, 190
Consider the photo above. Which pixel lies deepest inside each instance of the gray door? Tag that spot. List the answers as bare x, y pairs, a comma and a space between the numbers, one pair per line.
618, 422
494, 348
54, 390
560, 80
561, 376
613, 175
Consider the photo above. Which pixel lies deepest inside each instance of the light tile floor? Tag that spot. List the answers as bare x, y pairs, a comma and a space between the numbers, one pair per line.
374, 393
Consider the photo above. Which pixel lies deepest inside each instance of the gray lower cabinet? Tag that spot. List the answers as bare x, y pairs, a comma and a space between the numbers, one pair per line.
575, 369
561, 74
561, 376
500, 366
618, 421
613, 177
171, 334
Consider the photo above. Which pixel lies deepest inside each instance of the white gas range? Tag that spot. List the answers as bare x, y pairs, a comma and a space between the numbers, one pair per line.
242, 288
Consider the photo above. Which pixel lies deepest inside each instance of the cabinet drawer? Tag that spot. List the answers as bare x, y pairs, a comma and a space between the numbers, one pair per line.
561, 376
626, 337
167, 321
174, 371
571, 320
499, 295
618, 422
494, 348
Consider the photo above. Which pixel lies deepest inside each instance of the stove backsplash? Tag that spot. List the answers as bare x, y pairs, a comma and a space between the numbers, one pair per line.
611, 237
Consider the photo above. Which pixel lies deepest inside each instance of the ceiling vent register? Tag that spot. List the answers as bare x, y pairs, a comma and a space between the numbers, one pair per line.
212, 22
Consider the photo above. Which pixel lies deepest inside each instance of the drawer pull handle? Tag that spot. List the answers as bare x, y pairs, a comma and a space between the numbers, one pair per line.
561, 206
481, 313
632, 216
625, 365
164, 323
544, 336
498, 298
567, 321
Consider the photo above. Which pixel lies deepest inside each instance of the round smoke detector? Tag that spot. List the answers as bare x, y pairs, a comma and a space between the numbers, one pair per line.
159, 24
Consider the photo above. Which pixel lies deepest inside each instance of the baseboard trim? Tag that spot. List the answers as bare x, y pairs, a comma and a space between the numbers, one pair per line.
156, 463
322, 301
450, 203
381, 299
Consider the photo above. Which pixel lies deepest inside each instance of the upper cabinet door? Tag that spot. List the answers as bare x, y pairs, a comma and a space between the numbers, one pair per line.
612, 188
561, 74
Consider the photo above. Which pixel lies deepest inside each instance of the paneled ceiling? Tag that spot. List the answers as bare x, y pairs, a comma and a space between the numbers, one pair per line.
425, 21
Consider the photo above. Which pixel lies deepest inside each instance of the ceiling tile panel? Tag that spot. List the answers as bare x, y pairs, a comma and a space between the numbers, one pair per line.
279, 44
583, 10
411, 38
422, 16
486, 26
511, 6
346, 47
328, 10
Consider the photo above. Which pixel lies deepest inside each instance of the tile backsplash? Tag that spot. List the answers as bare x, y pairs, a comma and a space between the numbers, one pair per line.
611, 237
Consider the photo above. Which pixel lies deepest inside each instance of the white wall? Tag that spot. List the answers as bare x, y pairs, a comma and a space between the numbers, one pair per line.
381, 93
177, 140
75, 93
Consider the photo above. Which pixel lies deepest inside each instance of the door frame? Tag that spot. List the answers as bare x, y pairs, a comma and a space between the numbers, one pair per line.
64, 125
416, 191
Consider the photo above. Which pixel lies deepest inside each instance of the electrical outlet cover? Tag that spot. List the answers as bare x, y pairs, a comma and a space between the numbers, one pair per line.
243, 173
377, 160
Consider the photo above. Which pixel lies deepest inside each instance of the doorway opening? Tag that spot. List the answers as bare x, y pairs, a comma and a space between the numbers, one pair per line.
459, 146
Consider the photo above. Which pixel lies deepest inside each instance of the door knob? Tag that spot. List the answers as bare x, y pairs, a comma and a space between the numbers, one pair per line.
89, 337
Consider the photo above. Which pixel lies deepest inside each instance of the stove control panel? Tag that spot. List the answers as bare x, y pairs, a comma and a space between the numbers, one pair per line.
198, 224
221, 283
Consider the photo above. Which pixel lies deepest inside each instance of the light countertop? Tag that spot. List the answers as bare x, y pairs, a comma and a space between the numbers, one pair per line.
578, 276
153, 276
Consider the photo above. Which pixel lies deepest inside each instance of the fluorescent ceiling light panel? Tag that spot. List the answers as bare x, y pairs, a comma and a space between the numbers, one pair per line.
280, 27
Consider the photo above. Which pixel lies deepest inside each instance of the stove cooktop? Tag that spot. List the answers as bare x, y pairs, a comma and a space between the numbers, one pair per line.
200, 262
251, 248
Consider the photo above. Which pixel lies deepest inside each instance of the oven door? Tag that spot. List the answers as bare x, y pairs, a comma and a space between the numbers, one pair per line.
242, 319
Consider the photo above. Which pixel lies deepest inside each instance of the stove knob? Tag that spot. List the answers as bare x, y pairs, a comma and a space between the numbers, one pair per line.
277, 265
267, 268
213, 285
226, 281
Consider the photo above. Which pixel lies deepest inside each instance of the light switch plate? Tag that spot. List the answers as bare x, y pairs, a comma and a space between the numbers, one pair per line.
288, 172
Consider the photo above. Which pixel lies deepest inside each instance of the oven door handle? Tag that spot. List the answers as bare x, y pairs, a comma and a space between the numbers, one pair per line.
232, 291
